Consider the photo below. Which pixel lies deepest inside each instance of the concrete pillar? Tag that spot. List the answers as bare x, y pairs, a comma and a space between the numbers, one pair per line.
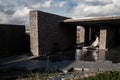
103, 36
34, 33
82, 34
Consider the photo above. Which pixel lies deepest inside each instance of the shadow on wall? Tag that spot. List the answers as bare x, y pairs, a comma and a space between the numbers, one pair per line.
13, 40
27, 44
113, 54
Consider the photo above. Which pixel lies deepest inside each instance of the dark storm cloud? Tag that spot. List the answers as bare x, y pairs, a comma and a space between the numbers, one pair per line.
9, 11
2, 7
7, 8
17, 21
23, 3
0, 20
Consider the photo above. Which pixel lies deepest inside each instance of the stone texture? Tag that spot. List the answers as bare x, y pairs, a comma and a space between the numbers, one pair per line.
34, 33
107, 37
103, 35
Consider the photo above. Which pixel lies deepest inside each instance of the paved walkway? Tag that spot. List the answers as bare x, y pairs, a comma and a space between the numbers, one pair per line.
89, 66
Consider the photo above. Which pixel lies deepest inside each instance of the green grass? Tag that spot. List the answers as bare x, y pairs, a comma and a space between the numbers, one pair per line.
38, 76
109, 75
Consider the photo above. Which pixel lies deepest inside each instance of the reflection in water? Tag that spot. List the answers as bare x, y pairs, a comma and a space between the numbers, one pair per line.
89, 54
78, 54
94, 54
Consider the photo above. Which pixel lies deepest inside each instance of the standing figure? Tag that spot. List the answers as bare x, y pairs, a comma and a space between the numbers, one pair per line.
96, 42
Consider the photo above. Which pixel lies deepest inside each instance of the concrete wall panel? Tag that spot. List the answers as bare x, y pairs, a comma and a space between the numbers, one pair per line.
49, 31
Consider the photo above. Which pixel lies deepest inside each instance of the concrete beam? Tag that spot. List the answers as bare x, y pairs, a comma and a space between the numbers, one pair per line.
93, 19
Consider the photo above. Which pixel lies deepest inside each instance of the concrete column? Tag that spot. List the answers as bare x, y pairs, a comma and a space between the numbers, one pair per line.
82, 34
34, 33
103, 36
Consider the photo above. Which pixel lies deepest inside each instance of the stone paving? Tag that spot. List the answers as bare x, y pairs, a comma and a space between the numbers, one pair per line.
31, 63
65, 66
96, 66
85, 68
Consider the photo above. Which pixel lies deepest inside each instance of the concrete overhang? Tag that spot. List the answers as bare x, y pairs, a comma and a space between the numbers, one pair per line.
109, 20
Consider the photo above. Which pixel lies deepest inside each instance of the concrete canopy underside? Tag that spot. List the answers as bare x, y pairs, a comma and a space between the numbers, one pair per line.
95, 21
108, 28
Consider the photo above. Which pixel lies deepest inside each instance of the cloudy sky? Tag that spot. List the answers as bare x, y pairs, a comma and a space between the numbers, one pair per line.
17, 11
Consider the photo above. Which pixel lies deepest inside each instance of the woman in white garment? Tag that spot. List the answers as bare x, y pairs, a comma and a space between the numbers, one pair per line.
96, 42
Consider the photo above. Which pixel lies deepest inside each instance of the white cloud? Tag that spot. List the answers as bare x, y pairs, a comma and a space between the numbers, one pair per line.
22, 12
45, 4
62, 4
17, 11
20, 16
86, 10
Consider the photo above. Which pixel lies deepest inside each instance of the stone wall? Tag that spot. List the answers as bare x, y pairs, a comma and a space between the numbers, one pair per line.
46, 30
12, 39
